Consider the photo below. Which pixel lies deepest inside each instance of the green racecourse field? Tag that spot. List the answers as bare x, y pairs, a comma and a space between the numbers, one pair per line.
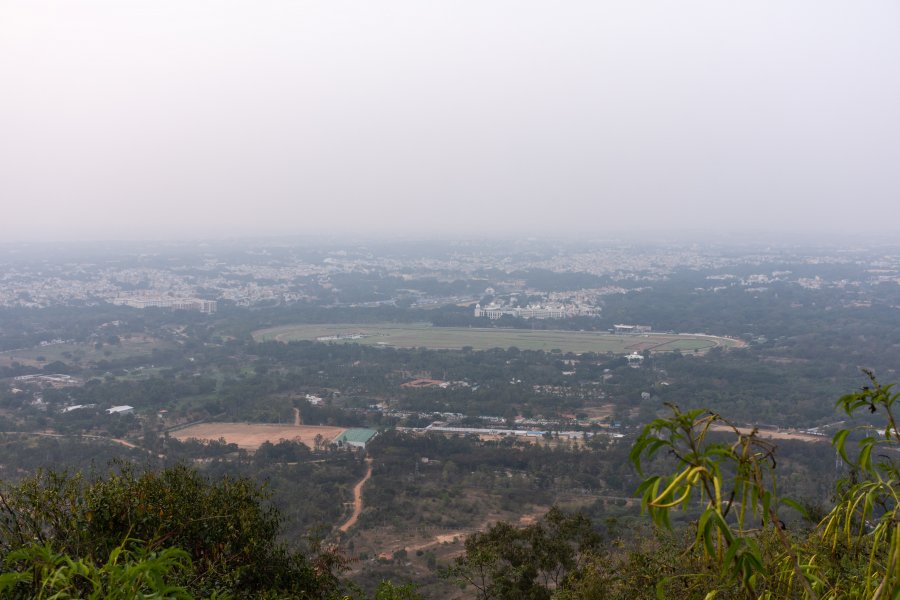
415, 335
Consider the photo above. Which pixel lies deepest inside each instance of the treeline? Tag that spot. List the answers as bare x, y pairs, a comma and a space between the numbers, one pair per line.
265, 382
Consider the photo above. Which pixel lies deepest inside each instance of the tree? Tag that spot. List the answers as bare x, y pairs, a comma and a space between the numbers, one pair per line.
512, 563
389, 591
226, 528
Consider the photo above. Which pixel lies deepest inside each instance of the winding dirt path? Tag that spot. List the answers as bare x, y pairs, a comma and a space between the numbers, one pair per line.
357, 499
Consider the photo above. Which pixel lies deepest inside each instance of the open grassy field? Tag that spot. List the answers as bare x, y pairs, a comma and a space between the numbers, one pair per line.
83, 353
251, 436
413, 335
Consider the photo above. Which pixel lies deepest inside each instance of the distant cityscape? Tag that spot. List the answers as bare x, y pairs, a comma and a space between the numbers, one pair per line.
499, 279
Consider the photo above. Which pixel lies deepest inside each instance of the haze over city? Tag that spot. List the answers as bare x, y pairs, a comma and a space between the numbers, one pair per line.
176, 119
449, 300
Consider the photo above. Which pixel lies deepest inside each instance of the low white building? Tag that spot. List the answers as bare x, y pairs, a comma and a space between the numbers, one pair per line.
120, 410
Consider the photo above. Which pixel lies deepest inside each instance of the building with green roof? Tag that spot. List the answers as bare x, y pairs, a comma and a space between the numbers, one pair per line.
356, 437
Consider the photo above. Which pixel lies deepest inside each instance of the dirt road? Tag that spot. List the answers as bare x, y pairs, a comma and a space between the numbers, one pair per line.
357, 499
785, 434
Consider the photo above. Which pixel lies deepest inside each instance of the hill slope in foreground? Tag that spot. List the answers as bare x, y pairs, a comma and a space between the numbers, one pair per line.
424, 335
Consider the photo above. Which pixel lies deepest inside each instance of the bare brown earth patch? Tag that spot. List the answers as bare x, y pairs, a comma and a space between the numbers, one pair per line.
251, 436
777, 434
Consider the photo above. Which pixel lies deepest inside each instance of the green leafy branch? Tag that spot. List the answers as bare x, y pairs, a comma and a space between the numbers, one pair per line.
132, 571
867, 514
733, 483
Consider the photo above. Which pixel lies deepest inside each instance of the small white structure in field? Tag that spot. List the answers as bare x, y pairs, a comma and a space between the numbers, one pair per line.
120, 410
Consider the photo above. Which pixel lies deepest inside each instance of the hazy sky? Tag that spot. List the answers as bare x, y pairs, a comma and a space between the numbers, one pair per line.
170, 118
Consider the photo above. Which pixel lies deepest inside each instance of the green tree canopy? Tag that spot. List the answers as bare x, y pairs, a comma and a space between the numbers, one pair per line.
226, 527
